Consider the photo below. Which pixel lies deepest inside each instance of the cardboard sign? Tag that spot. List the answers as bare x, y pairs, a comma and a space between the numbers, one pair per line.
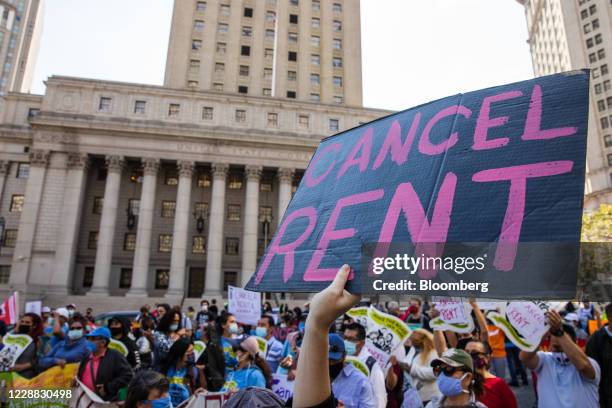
14, 345
244, 304
358, 364
198, 349
524, 323
497, 166
384, 334
55, 381
282, 387
34, 307
263, 345
359, 315
454, 316
118, 346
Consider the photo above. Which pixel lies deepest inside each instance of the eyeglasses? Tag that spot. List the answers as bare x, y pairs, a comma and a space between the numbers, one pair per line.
447, 370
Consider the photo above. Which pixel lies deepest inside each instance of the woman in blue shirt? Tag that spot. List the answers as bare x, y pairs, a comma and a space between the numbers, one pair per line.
183, 376
251, 371
228, 328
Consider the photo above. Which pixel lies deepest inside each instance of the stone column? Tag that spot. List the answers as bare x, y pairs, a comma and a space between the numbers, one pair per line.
61, 279
140, 270
285, 179
251, 222
22, 253
5, 167
213, 285
106, 234
180, 237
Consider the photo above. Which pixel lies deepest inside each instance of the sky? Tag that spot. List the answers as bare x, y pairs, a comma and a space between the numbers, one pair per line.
413, 51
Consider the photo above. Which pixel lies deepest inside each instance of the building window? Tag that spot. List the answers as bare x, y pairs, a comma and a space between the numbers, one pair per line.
598, 89
240, 115
134, 205
244, 70
88, 274
196, 45
265, 184
219, 67
198, 245
92, 240
207, 112
229, 279
270, 35
593, 9
315, 41
291, 94
337, 7
315, 23
139, 107
247, 31
337, 25
194, 65
315, 79
315, 97
268, 53
233, 212
315, 59
168, 209
601, 54
598, 39
589, 43
32, 112
245, 50
198, 26
235, 182
201, 6
171, 177
243, 89
270, 16
294, 2
584, 14
607, 142
98, 203
267, 73
609, 159
5, 274
272, 119
174, 109
601, 105
225, 10
595, 72
10, 238
292, 56
293, 19
232, 246
316, 5
162, 278
604, 123
337, 62
293, 37
222, 28
23, 170
248, 12
595, 24
165, 243
105, 104
217, 86
265, 213
221, 48
17, 203
304, 121
291, 75
129, 242
592, 57
338, 81
604, 69
125, 278
606, 85
586, 28
200, 209
337, 99
334, 125
267, 92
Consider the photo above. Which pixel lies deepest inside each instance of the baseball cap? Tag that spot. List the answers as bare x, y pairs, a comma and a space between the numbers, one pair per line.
250, 345
454, 358
100, 332
72, 305
336, 347
62, 311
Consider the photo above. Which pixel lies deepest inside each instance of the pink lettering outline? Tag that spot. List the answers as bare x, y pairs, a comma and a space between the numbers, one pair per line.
534, 121
364, 143
393, 143
425, 145
484, 122
311, 182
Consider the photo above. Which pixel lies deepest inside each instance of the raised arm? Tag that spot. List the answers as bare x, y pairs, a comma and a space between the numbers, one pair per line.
575, 355
312, 382
480, 319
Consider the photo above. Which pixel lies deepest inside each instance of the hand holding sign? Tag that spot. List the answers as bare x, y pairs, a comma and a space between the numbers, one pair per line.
524, 323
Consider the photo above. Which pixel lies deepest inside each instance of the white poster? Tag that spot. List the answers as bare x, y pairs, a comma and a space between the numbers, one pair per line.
282, 387
14, 345
244, 304
454, 315
384, 334
524, 323
33, 307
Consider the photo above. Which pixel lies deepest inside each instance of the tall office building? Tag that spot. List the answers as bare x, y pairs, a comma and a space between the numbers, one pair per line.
20, 30
308, 50
574, 34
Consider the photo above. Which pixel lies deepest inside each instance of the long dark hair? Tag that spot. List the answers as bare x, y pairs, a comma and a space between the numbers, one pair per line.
167, 320
221, 320
175, 354
143, 382
36, 330
265, 369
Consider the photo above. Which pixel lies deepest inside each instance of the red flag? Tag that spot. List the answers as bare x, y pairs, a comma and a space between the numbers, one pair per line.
9, 309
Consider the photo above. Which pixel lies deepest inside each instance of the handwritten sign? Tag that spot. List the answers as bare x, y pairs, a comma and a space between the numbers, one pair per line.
384, 334
282, 387
524, 323
244, 304
359, 315
198, 348
14, 345
466, 168
454, 316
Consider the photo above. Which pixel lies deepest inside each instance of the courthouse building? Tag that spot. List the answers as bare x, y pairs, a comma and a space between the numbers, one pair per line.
117, 191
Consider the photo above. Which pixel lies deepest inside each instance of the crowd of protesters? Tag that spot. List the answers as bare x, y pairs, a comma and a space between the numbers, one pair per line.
572, 367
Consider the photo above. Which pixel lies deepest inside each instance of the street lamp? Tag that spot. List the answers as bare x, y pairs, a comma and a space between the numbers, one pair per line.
265, 220
201, 217
131, 218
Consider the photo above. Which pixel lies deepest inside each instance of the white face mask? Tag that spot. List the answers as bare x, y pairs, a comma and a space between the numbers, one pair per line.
205, 308
233, 328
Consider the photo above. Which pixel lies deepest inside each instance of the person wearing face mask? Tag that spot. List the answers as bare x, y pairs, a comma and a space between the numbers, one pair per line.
105, 371
496, 393
354, 344
417, 365
265, 329
148, 389
567, 377
144, 341
599, 348
26, 364
203, 316
182, 373
227, 326
168, 331
119, 328
457, 381
349, 385
251, 371
72, 349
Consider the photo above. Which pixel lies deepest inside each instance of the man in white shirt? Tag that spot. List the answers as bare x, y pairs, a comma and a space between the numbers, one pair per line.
354, 343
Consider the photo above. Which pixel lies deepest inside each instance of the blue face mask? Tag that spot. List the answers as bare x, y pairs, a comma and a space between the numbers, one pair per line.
301, 326
261, 332
163, 402
350, 347
450, 386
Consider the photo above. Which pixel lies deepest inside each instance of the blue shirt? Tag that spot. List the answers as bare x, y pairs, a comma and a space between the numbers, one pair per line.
274, 353
71, 351
353, 388
245, 377
178, 390
229, 354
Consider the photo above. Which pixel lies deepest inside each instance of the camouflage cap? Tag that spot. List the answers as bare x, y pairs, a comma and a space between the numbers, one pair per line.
454, 358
